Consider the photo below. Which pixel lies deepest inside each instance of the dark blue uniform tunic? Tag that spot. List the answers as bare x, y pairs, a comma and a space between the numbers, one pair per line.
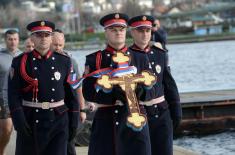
159, 117
110, 134
42, 131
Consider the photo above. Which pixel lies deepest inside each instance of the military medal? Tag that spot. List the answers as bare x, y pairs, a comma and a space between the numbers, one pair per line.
158, 68
57, 75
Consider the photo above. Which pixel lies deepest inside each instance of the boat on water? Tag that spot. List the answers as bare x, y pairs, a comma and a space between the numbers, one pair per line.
207, 112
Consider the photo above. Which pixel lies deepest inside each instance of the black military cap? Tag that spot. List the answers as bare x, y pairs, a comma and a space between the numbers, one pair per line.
41, 26
118, 19
141, 21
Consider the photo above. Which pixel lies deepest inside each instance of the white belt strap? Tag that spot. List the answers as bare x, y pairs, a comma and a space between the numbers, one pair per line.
43, 105
153, 101
119, 103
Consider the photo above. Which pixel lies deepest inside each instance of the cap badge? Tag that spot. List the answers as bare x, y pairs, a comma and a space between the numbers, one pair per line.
144, 18
42, 23
117, 16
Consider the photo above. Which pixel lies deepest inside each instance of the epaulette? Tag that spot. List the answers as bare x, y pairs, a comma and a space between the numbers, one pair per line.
67, 53
98, 58
158, 46
20, 55
93, 54
62, 54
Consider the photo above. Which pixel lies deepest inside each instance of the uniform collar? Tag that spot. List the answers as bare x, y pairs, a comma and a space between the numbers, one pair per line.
135, 47
38, 56
112, 50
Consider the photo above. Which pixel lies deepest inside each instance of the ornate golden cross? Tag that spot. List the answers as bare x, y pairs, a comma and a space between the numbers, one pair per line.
128, 83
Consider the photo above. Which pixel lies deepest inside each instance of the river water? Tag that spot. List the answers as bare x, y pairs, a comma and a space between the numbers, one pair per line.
203, 66
198, 67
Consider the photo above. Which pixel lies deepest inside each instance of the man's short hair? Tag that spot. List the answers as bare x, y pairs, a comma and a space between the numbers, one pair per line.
58, 30
11, 31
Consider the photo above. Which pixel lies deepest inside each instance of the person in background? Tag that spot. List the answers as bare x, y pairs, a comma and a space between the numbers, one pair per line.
58, 41
57, 45
6, 55
159, 35
42, 96
162, 102
110, 134
28, 45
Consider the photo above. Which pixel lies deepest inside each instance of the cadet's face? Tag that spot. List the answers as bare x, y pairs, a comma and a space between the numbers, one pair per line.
141, 36
41, 40
115, 35
29, 45
12, 42
58, 42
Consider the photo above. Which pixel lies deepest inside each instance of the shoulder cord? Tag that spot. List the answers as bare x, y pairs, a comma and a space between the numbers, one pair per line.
33, 83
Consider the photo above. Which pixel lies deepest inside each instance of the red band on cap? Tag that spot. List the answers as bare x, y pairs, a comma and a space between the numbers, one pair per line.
115, 21
142, 23
41, 28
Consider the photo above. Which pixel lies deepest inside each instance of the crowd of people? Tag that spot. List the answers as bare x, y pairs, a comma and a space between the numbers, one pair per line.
43, 94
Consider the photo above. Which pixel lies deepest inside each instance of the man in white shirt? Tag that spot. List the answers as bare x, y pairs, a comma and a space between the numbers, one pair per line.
6, 56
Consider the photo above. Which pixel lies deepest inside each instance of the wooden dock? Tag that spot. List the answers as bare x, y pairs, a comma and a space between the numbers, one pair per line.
207, 111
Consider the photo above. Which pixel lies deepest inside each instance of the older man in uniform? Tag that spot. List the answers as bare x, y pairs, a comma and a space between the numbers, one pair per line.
109, 134
6, 56
162, 101
42, 96
57, 45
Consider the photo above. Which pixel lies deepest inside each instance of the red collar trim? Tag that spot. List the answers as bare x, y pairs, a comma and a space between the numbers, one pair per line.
38, 56
135, 47
112, 50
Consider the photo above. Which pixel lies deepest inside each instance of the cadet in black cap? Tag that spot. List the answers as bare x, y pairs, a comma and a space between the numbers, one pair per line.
162, 102
41, 26
42, 96
143, 21
109, 134
118, 19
